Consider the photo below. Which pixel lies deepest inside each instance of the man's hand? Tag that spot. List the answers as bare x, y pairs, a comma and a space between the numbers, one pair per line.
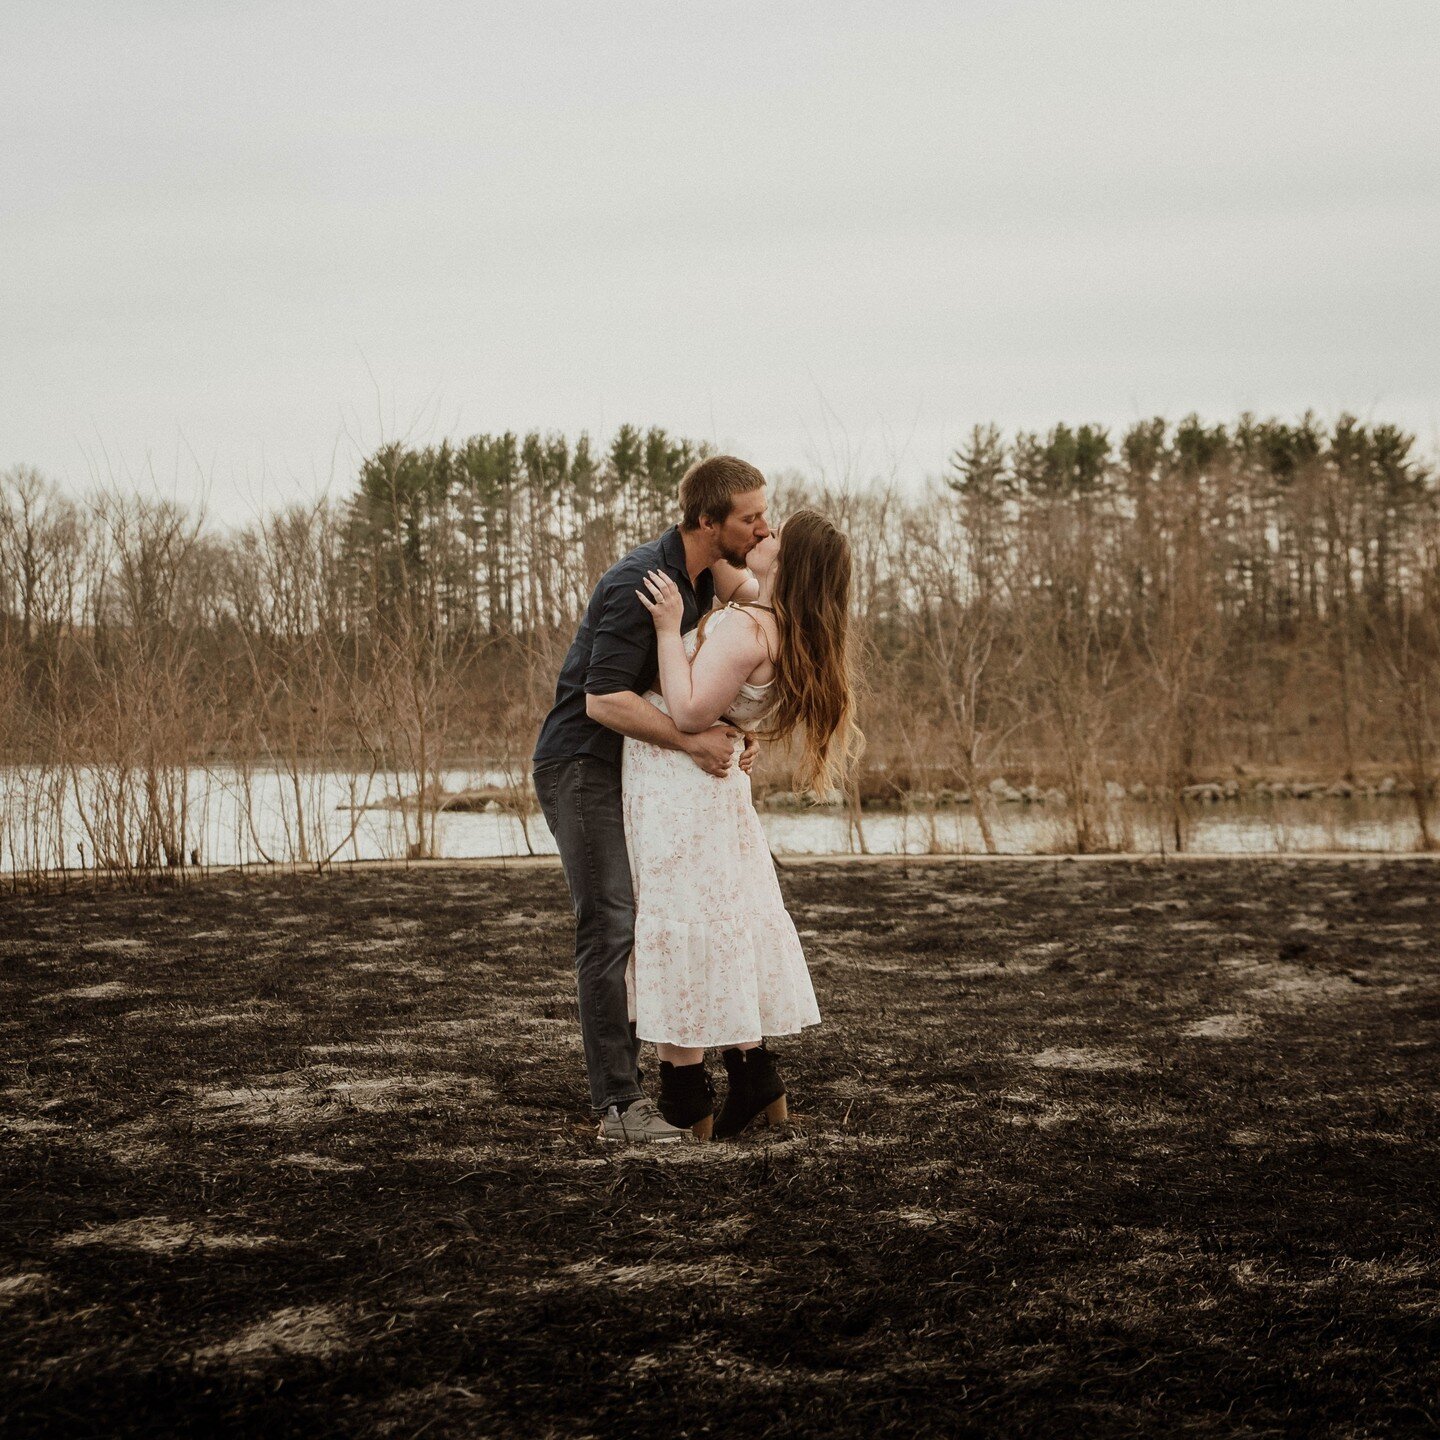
626, 713
748, 754
713, 750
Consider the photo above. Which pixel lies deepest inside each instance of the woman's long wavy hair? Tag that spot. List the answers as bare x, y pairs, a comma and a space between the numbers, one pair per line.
814, 691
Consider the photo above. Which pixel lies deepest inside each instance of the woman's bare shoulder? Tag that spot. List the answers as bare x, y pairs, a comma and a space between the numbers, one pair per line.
765, 627
733, 582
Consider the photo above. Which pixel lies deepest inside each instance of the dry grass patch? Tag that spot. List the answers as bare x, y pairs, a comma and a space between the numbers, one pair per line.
1222, 1027
25, 1282
1082, 1057
306, 1160
103, 990
253, 1099
717, 1272
385, 1091
158, 1235
1289, 984
313, 1331
219, 1018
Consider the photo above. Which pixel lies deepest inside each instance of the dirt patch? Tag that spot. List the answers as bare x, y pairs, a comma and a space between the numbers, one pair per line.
1059, 1163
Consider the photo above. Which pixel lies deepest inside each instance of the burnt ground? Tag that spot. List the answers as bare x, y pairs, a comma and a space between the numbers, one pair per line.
1089, 1149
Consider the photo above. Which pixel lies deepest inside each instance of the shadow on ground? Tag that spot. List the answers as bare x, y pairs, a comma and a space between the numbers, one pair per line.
1112, 1149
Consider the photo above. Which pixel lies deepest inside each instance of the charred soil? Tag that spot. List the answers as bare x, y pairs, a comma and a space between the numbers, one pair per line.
1103, 1149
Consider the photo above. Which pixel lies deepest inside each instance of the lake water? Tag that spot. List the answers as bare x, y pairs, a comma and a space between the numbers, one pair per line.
240, 819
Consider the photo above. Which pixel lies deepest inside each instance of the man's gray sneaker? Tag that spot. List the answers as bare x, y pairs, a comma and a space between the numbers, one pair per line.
641, 1124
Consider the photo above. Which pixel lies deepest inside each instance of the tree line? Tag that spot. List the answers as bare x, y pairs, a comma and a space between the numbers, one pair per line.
1172, 603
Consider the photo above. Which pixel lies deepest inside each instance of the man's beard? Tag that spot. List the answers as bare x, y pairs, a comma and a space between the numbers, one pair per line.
734, 557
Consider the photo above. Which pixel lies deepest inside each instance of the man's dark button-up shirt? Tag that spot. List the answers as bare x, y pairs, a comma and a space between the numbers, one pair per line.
614, 649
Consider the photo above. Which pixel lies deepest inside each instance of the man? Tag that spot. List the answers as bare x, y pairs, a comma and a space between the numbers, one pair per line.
599, 700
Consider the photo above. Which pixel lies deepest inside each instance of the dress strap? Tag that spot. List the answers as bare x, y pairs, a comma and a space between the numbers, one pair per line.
754, 605
700, 632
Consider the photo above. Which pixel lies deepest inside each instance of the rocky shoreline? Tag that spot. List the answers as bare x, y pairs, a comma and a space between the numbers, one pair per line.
888, 795
1002, 791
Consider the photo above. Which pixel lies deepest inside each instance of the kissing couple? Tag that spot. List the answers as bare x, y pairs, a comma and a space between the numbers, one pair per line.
692, 645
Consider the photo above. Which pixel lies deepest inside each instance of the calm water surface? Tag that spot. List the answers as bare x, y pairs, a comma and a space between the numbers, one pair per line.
233, 820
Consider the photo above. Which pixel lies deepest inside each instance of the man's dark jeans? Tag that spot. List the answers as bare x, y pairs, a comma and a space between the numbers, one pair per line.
580, 799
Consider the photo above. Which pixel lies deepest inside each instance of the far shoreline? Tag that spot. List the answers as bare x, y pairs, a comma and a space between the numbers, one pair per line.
40, 881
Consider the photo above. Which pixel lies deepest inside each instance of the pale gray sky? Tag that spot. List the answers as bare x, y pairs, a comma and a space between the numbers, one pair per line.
241, 240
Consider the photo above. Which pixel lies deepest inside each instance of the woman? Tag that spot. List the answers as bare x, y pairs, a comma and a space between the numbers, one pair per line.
717, 962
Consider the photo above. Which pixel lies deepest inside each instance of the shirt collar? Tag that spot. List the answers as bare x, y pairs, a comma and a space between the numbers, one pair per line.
672, 551
672, 548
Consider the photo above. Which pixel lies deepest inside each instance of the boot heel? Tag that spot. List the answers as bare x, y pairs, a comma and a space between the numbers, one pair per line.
777, 1112
704, 1128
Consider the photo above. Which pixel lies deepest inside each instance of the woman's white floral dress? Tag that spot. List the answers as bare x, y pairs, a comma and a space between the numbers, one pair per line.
717, 961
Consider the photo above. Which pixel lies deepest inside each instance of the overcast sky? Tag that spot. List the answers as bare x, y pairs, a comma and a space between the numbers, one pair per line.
243, 242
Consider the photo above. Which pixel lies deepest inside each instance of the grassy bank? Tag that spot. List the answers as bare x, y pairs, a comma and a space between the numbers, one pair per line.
1107, 1149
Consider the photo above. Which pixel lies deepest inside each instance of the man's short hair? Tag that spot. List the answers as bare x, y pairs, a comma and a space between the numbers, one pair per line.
709, 487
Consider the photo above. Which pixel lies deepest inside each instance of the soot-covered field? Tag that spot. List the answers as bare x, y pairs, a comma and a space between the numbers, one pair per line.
1081, 1149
